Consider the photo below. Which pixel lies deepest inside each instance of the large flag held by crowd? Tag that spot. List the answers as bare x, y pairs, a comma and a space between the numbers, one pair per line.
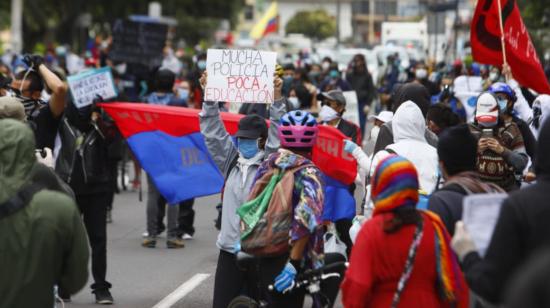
519, 53
167, 142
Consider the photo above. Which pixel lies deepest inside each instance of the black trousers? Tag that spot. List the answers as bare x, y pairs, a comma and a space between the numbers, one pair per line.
342, 227
229, 280
94, 212
186, 217
331, 286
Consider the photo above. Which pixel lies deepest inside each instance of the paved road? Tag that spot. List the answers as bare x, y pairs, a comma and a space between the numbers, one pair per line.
143, 277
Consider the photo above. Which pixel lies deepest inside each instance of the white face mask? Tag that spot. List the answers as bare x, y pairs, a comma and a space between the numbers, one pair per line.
374, 133
325, 66
293, 100
421, 73
327, 114
493, 76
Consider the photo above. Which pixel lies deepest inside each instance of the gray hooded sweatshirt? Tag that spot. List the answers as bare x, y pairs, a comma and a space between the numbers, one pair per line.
239, 180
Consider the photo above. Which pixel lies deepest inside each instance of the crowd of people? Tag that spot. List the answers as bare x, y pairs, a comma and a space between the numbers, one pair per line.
422, 144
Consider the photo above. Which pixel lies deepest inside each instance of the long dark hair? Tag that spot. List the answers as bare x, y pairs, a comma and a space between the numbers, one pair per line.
407, 215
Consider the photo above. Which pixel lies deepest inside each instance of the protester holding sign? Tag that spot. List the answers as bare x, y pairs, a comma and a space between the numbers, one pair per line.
238, 163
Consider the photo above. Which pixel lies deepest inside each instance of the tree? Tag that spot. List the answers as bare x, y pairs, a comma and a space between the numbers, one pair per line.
317, 25
55, 21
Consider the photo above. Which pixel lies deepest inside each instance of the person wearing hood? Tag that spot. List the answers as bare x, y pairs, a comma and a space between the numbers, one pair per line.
541, 112
238, 162
42, 172
457, 151
501, 150
409, 128
82, 162
521, 231
42, 236
419, 95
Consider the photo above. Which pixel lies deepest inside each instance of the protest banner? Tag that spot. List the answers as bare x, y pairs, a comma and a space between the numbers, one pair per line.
240, 76
138, 42
480, 214
87, 86
352, 107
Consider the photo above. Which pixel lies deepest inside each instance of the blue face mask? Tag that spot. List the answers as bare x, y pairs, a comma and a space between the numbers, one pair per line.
334, 74
183, 94
201, 65
248, 147
502, 105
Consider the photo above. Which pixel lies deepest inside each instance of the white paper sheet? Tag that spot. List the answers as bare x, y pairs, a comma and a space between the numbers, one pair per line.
480, 214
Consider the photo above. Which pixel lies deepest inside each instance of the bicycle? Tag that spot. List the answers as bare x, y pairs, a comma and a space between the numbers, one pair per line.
309, 280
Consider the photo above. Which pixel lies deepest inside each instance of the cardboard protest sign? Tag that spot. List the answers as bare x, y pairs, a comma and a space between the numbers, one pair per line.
240, 76
138, 42
87, 86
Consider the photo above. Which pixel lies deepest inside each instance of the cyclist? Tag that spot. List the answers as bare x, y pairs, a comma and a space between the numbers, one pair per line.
297, 133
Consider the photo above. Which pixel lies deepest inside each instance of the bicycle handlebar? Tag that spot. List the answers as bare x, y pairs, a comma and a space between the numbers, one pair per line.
314, 275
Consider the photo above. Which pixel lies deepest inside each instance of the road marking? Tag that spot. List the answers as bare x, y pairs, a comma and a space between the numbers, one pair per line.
184, 289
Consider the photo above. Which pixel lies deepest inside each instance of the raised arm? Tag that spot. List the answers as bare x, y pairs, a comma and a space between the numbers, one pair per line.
218, 141
276, 111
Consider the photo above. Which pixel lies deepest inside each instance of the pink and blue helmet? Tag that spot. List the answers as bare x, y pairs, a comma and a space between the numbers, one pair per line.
298, 129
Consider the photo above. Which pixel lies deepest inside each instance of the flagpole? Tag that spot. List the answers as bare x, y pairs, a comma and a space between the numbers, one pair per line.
503, 46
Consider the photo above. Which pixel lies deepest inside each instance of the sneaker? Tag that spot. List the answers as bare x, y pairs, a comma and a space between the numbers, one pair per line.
175, 243
149, 242
145, 234
109, 216
187, 236
103, 297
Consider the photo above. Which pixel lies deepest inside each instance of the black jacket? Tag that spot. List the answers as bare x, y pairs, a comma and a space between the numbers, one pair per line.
85, 167
522, 229
362, 84
447, 204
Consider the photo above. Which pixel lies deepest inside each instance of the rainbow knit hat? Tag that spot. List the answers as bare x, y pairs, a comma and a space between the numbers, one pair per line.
394, 184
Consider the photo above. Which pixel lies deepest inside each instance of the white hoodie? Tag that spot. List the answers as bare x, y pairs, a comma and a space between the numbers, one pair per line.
408, 127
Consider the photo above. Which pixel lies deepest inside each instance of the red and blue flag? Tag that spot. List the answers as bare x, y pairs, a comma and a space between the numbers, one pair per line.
167, 142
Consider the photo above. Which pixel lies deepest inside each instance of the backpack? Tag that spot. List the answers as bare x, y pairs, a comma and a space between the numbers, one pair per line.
267, 217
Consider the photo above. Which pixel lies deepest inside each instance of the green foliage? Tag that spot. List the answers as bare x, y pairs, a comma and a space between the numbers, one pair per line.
533, 12
48, 21
316, 24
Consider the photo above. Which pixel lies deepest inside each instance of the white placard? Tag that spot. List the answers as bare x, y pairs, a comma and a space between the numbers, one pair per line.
87, 86
240, 76
352, 107
480, 214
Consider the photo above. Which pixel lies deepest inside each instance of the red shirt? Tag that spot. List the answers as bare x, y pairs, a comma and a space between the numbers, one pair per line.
378, 260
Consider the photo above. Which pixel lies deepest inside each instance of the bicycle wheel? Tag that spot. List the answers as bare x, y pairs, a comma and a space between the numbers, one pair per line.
243, 301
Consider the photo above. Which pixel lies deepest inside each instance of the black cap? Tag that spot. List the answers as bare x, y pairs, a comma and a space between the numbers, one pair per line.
252, 126
457, 149
335, 95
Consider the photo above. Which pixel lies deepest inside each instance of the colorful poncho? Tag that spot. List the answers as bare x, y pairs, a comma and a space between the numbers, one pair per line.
395, 185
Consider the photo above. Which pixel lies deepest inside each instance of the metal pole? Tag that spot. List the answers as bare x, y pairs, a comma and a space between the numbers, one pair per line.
338, 22
436, 34
16, 25
456, 29
371, 22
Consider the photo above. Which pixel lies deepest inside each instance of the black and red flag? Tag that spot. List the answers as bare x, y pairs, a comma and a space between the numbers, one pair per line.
485, 38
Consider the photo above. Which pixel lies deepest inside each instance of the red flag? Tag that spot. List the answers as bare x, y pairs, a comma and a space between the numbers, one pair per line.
485, 38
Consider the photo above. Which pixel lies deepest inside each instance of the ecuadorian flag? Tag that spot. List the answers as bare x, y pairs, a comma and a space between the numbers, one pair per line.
269, 23
167, 142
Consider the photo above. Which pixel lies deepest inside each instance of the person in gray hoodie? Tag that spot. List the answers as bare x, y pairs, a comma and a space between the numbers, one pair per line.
238, 163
